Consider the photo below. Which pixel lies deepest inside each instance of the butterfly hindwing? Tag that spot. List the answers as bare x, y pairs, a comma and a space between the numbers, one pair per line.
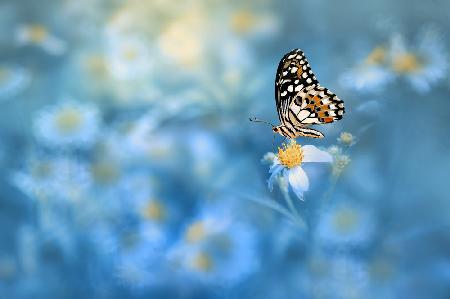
317, 105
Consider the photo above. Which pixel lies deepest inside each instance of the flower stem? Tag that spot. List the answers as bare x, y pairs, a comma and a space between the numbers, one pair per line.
298, 220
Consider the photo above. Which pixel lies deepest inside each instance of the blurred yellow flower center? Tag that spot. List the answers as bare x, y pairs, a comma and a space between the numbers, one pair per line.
195, 232
406, 63
4, 74
377, 56
130, 54
183, 42
290, 155
105, 172
345, 220
96, 64
7, 268
203, 262
346, 138
242, 21
37, 33
41, 170
381, 269
155, 211
68, 120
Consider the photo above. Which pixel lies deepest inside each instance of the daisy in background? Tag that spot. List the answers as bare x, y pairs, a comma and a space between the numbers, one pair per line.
371, 73
340, 277
38, 35
67, 124
340, 160
345, 224
128, 58
423, 64
59, 178
13, 80
215, 249
287, 165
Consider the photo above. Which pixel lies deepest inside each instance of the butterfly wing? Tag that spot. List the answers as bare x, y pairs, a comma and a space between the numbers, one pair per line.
293, 75
317, 105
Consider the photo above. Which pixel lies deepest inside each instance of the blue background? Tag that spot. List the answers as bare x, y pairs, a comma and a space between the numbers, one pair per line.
129, 168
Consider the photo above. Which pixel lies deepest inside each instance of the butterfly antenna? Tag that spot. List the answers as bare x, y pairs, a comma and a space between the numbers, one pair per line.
256, 120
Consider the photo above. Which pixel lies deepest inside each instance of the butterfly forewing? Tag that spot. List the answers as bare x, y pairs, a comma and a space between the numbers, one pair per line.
293, 75
300, 99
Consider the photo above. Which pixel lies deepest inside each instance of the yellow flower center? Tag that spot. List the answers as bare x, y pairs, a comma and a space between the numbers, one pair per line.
37, 33
195, 232
155, 211
242, 21
96, 64
203, 262
381, 270
41, 170
130, 54
346, 138
4, 74
377, 56
290, 155
406, 63
105, 172
68, 120
346, 220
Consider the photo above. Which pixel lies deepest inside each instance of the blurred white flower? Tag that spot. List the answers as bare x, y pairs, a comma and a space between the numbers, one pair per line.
216, 249
340, 160
13, 80
128, 58
38, 35
371, 74
67, 124
423, 64
341, 277
253, 24
136, 261
345, 224
184, 40
57, 178
288, 163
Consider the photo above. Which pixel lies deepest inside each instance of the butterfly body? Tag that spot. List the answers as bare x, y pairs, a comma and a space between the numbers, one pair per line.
300, 99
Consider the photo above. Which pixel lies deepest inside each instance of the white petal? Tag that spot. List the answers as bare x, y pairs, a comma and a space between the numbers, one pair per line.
275, 165
275, 170
298, 180
313, 154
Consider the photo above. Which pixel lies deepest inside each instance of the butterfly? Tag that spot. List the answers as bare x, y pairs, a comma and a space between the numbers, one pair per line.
300, 99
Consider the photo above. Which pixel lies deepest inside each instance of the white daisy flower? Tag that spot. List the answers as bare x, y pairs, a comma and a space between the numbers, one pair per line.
339, 277
345, 224
247, 22
128, 58
371, 74
422, 65
184, 40
45, 178
38, 35
216, 249
13, 80
288, 165
340, 160
137, 259
67, 124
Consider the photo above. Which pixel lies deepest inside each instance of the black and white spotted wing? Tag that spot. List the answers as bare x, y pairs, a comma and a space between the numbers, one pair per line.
300, 99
